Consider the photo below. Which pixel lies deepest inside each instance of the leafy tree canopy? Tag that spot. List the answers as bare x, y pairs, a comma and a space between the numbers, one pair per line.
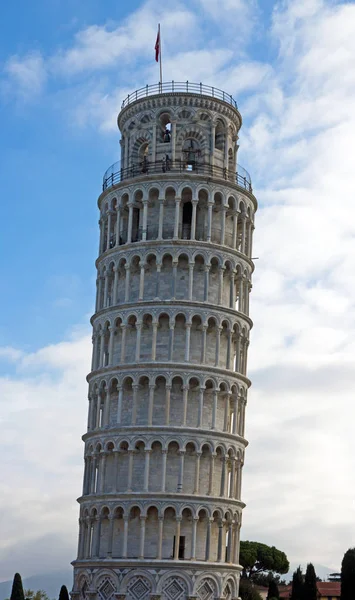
347, 586
39, 595
256, 557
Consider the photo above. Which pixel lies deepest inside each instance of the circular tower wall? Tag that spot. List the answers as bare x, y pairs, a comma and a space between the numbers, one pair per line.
160, 513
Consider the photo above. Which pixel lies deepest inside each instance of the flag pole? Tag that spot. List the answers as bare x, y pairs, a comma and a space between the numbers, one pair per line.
160, 64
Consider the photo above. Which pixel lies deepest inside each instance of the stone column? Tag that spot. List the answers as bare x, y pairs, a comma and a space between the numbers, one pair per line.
146, 469
235, 229
181, 472
96, 541
191, 278
112, 331
220, 541
130, 222
195, 520
151, 404
173, 141
214, 409
177, 538
223, 478
163, 475
102, 472
142, 537
171, 342
211, 475
130, 470
242, 248
154, 339
235, 414
206, 283
107, 409
160, 537
110, 535
87, 538
237, 353
145, 219
135, 388
118, 226
109, 216
157, 290
138, 341
127, 282
119, 404
115, 286
229, 347
167, 404
197, 473
123, 343
185, 391
141, 284
177, 217
232, 479
101, 356
193, 220
208, 539
187, 342
223, 224
232, 290
161, 218
226, 411
209, 221
200, 407
93, 474
220, 284
174, 278
125, 535
229, 544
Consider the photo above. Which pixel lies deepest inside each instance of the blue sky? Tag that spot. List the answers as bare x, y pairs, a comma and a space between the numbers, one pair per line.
65, 67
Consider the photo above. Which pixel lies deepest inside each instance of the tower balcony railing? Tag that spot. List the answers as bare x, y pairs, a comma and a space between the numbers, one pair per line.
174, 87
116, 174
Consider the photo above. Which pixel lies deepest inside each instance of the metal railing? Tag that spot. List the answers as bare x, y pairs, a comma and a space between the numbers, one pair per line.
171, 87
115, 174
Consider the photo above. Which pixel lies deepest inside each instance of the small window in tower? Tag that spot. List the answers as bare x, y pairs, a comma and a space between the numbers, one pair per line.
220, 135
165, 122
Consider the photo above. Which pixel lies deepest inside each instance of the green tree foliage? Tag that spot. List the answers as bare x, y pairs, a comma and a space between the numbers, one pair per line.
63, 594
347, 585
256, 557
297, 585
17, 589
247, 590
310, 584
273, 591
39, 595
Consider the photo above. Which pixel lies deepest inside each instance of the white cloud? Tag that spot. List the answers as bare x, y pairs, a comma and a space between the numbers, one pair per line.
26, 75
43, 410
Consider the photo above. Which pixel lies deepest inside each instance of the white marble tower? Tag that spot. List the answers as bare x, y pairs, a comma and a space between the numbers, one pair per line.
161, 508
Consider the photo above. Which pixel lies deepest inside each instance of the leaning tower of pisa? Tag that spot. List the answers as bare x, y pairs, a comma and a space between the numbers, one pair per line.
161, 508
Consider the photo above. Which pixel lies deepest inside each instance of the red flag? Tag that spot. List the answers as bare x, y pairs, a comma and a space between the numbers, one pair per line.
157, 46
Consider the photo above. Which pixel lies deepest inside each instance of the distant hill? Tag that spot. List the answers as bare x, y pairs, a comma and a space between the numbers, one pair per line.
50, 583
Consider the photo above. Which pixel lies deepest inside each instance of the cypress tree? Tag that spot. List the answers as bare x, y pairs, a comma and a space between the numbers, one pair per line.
310, 584
347, 585
273, 591
297, 585
63, 594
17, 589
